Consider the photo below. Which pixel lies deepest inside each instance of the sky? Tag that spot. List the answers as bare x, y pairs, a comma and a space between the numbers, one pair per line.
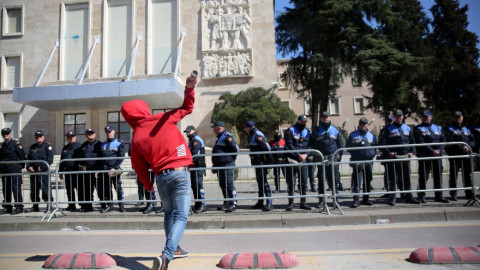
473, 14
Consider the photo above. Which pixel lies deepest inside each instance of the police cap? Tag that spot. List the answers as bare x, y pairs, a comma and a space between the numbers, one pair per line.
457, 113
302, 117
39, 133
108, 129
427, 113
189, 128
363, 120
398, 112
250, 124
70, 134
218, 124
6, 131
325, 114
90, 130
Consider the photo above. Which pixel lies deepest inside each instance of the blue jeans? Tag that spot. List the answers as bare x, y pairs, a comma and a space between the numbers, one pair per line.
174, 190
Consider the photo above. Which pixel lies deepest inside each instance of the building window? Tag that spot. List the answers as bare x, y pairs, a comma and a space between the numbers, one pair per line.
74, 41
334, 106
12, 21
121, 127
359, 105
76, 122
11, 72
163, 36
11, 121
306, 106
118, 37
283, 82
286, 103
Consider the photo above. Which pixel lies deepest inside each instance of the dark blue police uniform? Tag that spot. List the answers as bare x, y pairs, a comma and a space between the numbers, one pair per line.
70, 151
197, 147
43, 151
87, 180
111, 148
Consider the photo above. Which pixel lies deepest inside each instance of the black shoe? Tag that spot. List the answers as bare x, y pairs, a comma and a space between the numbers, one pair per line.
33, 209
70, 208
160, 263
385, 196
121, 209
222, 208
355, 204
412, 201
106, 210
85, 210
139, 203
289, 207
454, 198
148, 209
6, 211
201, 209
230, 209
268, 207
305, 206
422, 199
180, 253
17, 211
391, 203
258, 205
441, 199
159, 210
367, 202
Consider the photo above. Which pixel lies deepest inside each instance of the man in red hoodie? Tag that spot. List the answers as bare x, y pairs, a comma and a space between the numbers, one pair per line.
158, 141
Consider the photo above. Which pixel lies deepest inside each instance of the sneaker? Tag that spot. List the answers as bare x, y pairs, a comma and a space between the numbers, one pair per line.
180, 253
160, 263
148, 209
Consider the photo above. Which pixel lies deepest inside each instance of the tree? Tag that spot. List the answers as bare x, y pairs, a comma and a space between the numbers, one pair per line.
454, 76
254, 104
320, 34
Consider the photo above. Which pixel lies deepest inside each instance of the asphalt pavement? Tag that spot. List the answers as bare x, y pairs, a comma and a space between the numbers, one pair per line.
245, 217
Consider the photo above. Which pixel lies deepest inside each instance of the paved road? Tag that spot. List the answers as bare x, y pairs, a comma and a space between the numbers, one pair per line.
385, 246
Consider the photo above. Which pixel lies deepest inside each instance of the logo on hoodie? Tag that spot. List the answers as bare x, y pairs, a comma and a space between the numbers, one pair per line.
181, 150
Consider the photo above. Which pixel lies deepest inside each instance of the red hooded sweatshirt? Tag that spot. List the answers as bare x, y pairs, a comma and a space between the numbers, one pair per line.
157, 139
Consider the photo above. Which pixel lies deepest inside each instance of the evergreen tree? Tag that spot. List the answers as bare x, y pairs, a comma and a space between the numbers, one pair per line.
454, 75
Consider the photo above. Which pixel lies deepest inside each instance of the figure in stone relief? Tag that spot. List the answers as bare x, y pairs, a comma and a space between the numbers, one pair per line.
214, 25
227, 26
230, 65
241, 28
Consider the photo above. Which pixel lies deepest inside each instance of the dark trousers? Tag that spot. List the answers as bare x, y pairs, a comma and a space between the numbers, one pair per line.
362, 173
37, 183
196, 178
424, 168
398, 173
330, 177
455, 166
262, 183
71, 184
145, 195
291, 177
311, 177
86, 186
12, 184
276, 174
104, 189
225, 180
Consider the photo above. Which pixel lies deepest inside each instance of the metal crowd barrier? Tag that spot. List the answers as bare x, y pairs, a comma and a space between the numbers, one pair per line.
336, 194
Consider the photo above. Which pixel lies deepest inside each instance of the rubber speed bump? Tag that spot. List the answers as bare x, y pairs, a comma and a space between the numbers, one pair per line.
259, 260
446, 255
79, 261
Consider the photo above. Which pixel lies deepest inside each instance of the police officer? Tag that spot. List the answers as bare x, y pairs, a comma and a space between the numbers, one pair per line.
225, 144
457, 132
327, 139
381, 136
399, 172
112, 147
11, 150
69, 151
278, 144
144, 194
40, 150
362, 172
258, 143
297, 137
427, 132
90, 149
197, 147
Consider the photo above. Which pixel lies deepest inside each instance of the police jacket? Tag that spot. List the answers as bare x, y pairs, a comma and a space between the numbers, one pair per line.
297, 137
91, 150
12, 150
396, 134
428, 133
258, 142
476, 133
277, 144
70, 151
327, 139
112, 148
43, 151
360, 138
197, 147
224, 144
455, 133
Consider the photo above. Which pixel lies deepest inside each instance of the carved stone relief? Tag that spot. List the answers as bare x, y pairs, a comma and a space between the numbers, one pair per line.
226, 47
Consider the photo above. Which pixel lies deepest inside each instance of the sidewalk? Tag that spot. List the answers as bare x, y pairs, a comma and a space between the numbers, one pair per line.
246, 218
